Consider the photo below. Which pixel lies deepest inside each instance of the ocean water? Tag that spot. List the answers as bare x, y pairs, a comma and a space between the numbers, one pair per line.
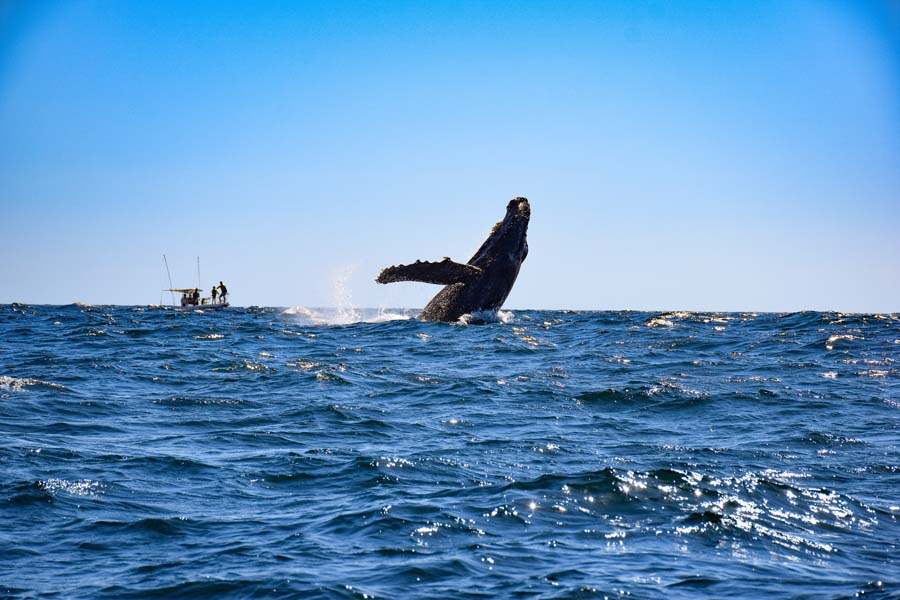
266, 452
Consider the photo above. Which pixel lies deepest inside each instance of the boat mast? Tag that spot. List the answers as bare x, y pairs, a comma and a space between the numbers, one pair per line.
199, 284
170, 279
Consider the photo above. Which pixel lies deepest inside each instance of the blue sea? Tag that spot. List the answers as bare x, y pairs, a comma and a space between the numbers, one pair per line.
295, 453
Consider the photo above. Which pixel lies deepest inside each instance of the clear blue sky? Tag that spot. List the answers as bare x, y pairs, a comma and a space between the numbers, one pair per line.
677, 155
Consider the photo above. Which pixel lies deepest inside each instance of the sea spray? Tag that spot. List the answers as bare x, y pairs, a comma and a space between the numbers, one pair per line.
344, 311
486, 316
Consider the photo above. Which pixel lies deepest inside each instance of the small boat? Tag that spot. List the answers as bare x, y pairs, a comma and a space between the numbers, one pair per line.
190, 297
191, 300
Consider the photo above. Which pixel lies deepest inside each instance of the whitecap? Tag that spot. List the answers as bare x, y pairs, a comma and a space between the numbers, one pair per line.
678, 314
831, 341
306, 365
384, 316
659, 322
486, 316
874, 373
16, 384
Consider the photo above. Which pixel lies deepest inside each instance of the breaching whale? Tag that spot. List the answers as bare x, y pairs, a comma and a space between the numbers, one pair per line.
483, 283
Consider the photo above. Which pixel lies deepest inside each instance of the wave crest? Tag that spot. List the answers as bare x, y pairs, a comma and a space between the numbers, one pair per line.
16, 384
486, 316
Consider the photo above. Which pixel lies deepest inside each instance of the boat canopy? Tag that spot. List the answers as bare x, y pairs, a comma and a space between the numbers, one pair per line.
184, 290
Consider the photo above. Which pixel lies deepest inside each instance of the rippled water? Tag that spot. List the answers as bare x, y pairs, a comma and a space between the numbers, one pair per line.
266, 453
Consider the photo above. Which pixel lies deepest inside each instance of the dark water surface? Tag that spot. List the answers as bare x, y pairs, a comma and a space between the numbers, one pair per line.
256, 453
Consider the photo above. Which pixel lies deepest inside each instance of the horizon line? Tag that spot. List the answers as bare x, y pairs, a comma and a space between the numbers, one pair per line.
571, 310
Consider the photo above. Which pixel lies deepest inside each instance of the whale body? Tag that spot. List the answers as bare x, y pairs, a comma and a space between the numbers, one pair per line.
481, 284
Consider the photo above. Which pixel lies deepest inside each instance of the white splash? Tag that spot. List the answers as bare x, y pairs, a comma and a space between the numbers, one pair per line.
334, 316
487, 316
344, 311
383, 315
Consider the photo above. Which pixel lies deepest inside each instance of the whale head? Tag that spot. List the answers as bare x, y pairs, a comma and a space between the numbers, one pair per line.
507, 245
518, 214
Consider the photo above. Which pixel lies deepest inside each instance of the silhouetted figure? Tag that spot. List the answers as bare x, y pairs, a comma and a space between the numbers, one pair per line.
215, 292
196, 297
223, 292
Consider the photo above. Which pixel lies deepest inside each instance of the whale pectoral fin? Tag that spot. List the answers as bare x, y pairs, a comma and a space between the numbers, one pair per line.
444, 272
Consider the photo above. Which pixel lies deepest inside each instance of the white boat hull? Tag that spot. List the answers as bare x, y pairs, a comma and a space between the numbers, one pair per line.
191, 307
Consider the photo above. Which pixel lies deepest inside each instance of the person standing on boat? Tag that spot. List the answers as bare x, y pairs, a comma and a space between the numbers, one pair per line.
223, 292
215, 292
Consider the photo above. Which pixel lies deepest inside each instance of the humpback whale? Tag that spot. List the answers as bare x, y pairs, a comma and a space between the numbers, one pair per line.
483, 283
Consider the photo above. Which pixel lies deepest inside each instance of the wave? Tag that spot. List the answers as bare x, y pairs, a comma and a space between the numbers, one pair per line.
836, 340
562, 448
486, 316
16, 384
